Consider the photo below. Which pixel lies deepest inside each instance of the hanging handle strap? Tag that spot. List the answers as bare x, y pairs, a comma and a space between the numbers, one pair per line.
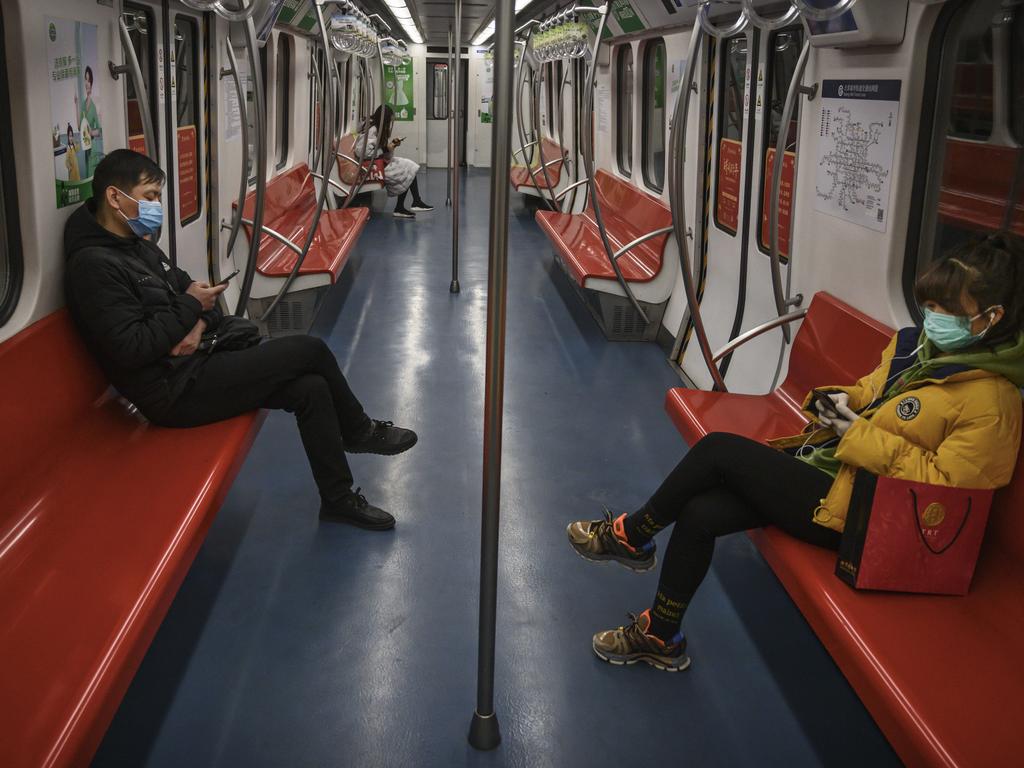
917, 525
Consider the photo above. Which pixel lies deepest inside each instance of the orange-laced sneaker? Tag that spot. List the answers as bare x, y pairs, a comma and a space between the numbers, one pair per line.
628, 645
604, 540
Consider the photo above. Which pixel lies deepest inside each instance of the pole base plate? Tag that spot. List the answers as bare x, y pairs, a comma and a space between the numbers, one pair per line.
454, 287
484, 732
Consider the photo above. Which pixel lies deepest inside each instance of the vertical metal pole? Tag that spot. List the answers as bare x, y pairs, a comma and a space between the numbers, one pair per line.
484, 732
451, 132
456, 147
259, 107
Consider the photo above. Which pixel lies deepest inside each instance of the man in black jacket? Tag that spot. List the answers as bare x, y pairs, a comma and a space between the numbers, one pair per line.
144, 320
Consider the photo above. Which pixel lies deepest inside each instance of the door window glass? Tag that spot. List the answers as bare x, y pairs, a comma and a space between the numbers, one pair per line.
654, 115
141, 29
186, 75
438, 84
624, 110
732, 96
283, 97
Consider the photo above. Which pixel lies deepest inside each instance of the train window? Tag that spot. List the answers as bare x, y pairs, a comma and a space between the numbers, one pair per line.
970, 166
653, 115
1017, 75
283, 97
556, 86
971, 115
783, 51
732, 96
624, 110
186, 65
140, 30
438, 85
250, 111
10, 235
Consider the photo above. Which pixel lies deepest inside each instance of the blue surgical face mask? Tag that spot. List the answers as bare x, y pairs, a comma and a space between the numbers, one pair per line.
952, 332
149, 219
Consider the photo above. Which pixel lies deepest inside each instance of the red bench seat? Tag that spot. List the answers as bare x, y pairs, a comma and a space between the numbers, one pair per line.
101, 516
628, 213
288, 209
550, 152
940, 675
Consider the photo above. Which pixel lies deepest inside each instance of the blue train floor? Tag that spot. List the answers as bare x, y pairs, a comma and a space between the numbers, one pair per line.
294, 643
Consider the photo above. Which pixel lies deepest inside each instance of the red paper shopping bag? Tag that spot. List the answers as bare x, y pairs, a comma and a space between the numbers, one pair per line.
912, 537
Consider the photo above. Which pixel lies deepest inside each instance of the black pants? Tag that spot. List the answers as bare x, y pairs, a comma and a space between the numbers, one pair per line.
415, 189
295, 373
727, 483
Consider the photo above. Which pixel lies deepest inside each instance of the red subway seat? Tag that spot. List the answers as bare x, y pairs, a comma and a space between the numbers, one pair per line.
288, 210
940, 675
628, 214
550, 152
101, 516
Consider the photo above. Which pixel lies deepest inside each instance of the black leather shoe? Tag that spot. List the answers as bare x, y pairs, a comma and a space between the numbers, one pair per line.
354, 509
385, 439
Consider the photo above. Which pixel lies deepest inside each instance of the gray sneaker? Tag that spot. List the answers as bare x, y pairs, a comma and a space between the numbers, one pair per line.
605, 540
630, 644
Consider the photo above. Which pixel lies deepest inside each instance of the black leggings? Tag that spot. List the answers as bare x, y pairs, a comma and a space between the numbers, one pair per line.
415, 189
726, 483
295, 373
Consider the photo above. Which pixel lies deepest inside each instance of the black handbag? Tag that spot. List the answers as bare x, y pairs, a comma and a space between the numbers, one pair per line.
232, 334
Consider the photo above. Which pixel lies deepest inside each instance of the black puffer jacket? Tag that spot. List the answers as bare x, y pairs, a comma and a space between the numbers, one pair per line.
130, 305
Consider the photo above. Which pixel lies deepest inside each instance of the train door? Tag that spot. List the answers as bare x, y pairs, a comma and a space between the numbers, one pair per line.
170, 45
438, 84
728, 126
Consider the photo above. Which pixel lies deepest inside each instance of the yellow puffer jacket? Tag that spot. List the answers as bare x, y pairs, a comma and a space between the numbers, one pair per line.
962, 429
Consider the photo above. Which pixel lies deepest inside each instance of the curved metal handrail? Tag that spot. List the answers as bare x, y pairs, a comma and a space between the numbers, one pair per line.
259, 105
523, 145
524, 148
770, 25
753, 333
588, 160
795, 89
642, 239
808, 11
272, 232
572, 186
366, 85
243, 183
576, 64
134, 70
704, 20
677, 203
328, 159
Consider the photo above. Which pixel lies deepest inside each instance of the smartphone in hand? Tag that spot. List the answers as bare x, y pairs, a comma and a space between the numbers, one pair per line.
227, 279
826, 405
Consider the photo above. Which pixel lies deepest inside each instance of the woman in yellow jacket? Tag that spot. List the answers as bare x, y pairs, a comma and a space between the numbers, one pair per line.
942, 407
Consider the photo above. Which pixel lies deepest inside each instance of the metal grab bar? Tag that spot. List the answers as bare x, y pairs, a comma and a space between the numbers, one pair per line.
770, 25
795, 90
588, 161
243, 183
260, 118
454, 287
523, 148
571, 187
704, 20
677, 204
642, 239
366, 85
331, 182
132, 68
327, 156
523, 145
451, 130
753, 333
267, 231
808, 11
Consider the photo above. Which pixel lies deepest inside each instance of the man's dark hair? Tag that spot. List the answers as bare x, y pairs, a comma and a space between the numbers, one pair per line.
124, 169
88, 74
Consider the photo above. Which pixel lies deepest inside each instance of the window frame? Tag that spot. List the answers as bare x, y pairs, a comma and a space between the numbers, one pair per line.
646, 153
151, 91
622, 151
282, 97
196, 79
432, 87
766, 128
10, 221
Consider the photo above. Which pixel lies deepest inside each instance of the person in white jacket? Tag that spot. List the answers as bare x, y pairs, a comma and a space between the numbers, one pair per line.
399, 172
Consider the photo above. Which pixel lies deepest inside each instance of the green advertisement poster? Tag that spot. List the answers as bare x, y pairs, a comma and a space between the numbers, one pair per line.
75, 107
398, 92
592, 18
626, 15
289, 11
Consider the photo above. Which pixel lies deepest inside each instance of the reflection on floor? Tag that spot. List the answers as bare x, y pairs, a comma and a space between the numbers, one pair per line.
298, 644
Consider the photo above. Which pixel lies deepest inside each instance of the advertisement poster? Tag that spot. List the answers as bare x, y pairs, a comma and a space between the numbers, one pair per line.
855, 151
785, 200
487, 91
627, 16
76, 107
728, 205
398, 92
188, 174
